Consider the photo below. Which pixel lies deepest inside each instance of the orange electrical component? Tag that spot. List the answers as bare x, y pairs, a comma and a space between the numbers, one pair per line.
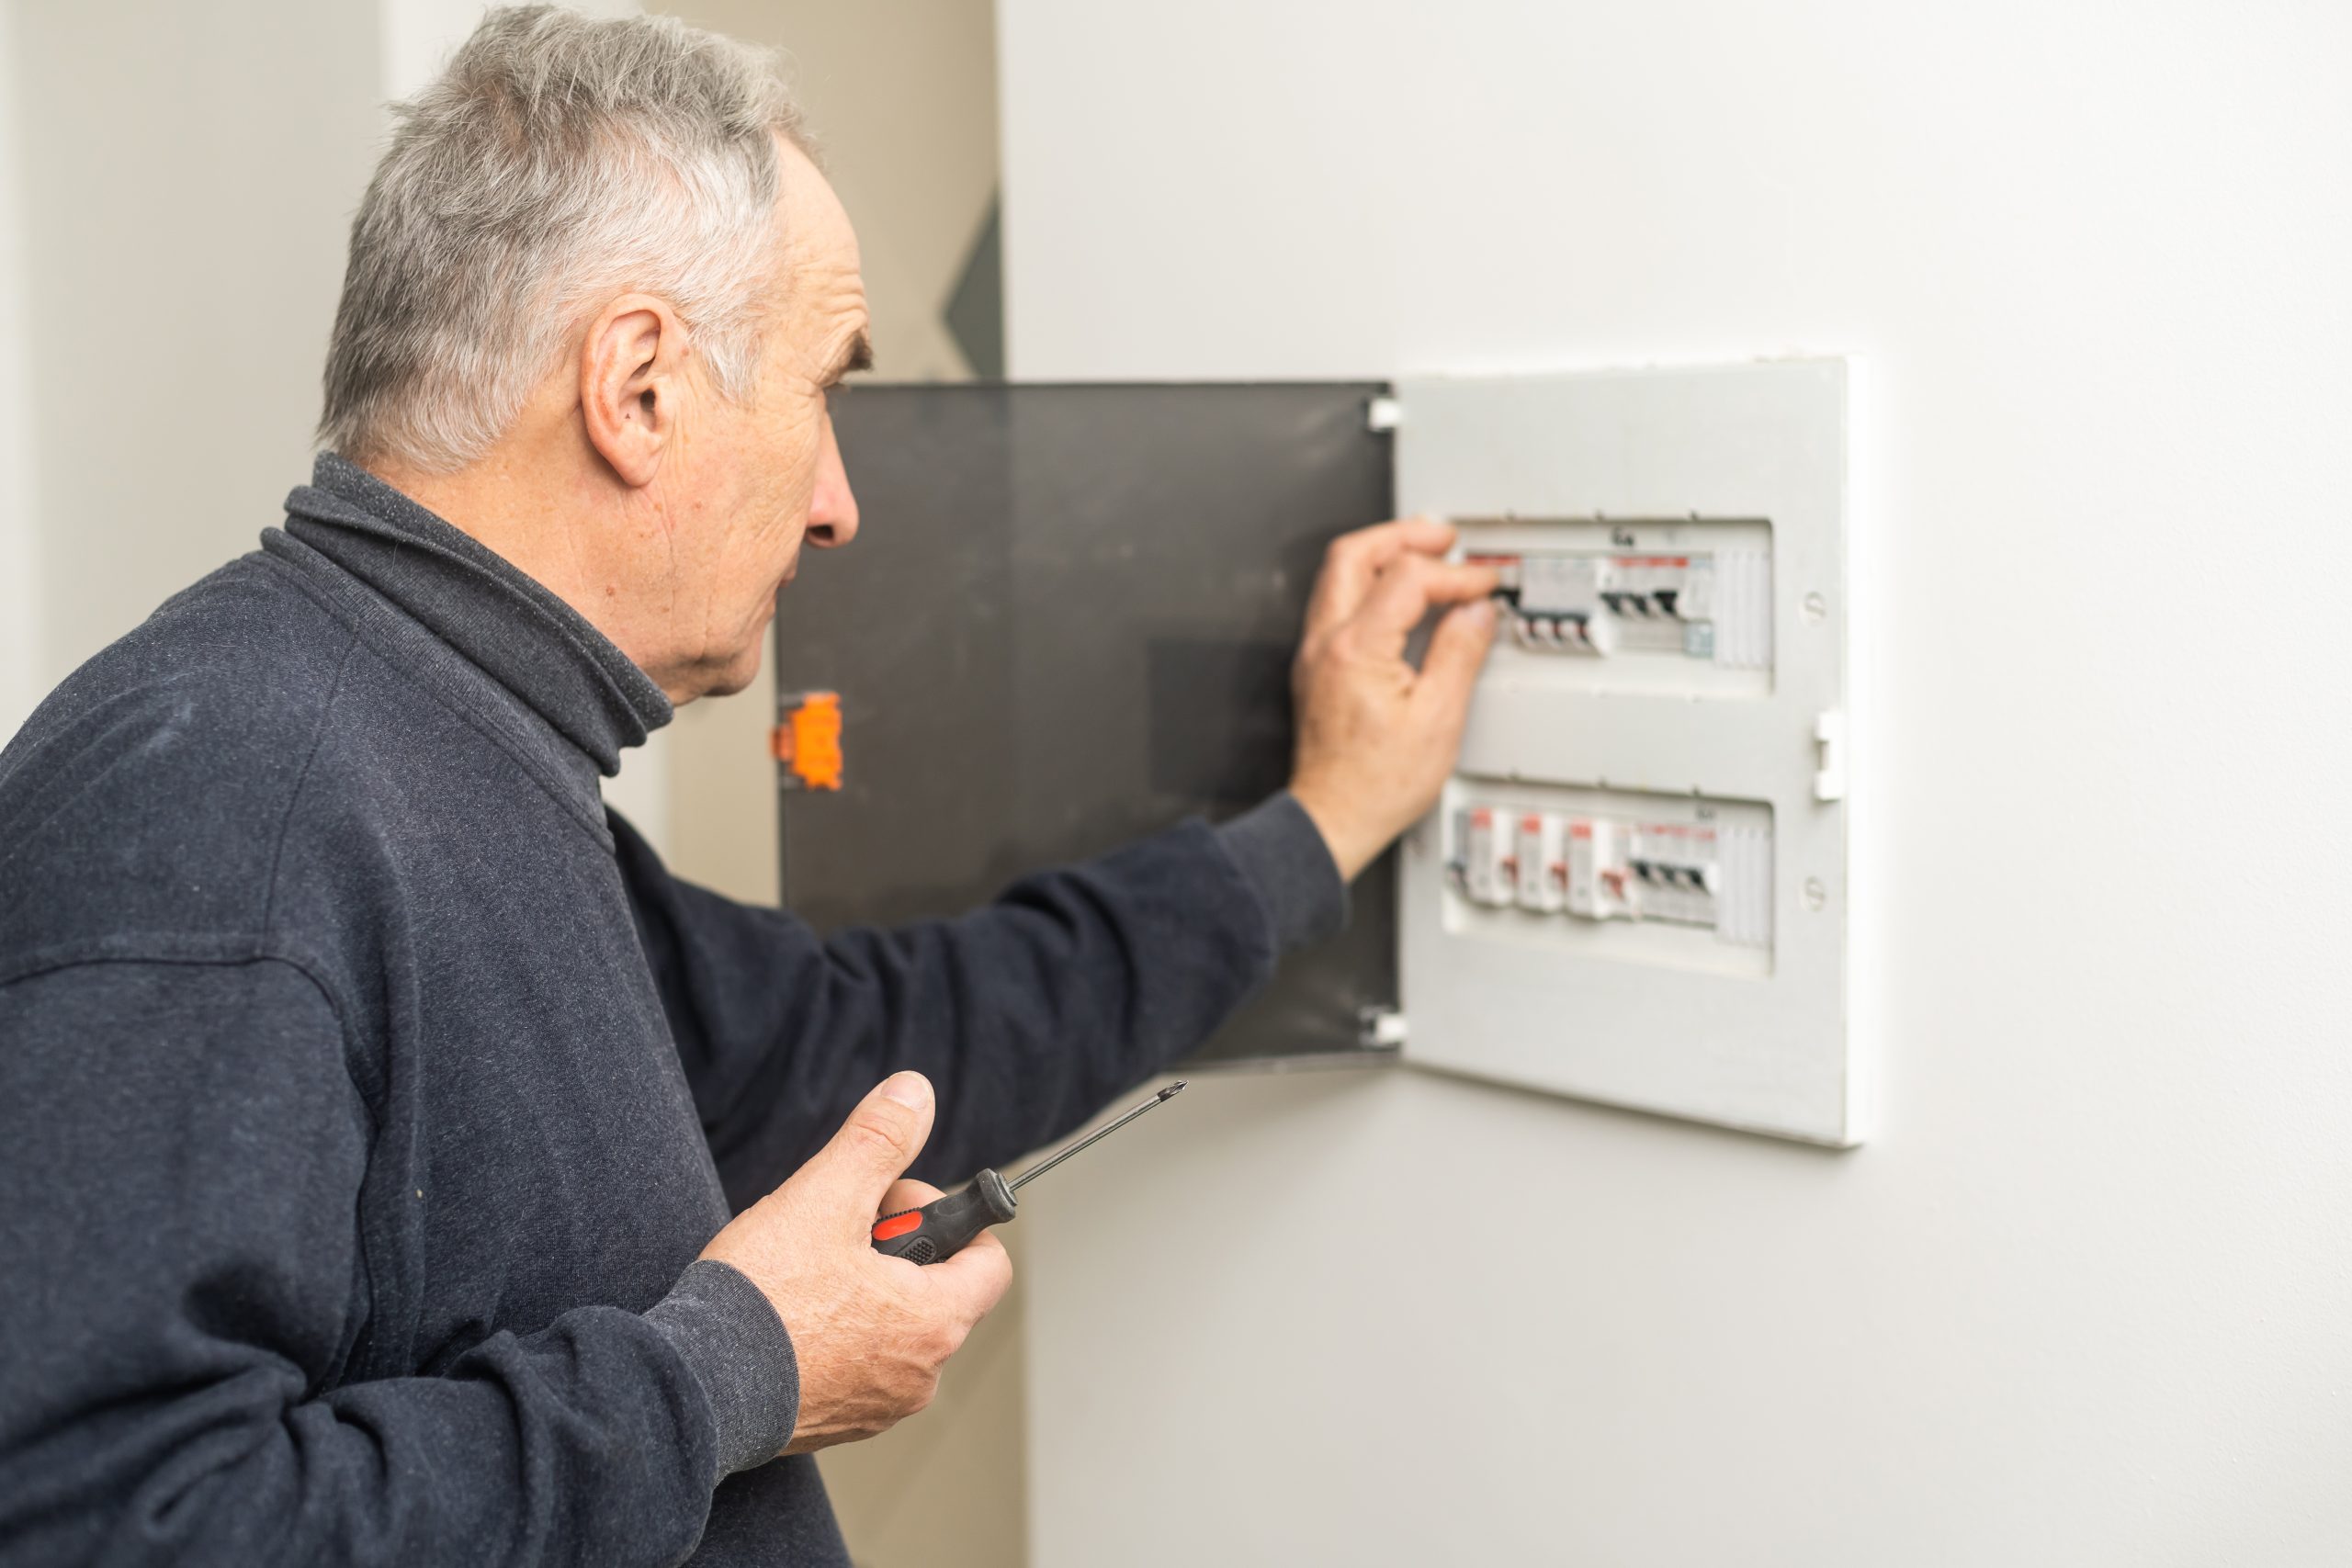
809, 742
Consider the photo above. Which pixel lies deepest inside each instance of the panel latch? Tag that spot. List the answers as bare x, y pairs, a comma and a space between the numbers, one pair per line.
808, 740
1829, 776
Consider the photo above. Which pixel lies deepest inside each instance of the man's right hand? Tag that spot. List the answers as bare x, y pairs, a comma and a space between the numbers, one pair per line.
870, 1333
1376, 738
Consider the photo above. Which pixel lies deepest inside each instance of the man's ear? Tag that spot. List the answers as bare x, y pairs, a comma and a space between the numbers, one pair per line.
632, 385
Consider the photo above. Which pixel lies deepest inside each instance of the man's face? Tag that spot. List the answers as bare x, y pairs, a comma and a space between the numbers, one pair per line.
756, 479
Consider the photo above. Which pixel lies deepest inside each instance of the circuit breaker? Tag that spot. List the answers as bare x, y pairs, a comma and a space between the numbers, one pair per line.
1704, 605
1698, 874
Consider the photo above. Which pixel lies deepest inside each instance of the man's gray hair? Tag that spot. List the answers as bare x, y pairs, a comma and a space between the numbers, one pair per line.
559, 161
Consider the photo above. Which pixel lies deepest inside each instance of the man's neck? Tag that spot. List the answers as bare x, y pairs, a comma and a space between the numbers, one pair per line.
543, 522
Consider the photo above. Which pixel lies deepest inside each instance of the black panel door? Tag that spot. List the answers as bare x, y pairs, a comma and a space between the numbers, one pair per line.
1066, 621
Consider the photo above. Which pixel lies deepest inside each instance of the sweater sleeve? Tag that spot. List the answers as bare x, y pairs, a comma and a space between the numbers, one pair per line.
181, 1328
1027, 1015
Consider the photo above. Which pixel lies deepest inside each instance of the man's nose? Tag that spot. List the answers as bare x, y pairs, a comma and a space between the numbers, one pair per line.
833, 510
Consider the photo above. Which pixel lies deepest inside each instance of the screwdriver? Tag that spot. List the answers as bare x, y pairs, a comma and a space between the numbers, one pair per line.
944, 1226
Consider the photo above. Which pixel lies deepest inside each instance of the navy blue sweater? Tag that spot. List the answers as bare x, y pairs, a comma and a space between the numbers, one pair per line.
366, 1092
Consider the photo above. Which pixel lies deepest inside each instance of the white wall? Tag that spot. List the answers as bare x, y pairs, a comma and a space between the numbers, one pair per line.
183, 177
2086, 1297
20, 618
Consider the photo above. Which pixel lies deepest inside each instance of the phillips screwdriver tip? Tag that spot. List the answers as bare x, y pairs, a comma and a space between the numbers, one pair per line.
1040, 1168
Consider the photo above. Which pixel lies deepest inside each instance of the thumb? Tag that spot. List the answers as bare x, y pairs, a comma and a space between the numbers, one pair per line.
1457, 649
880, 1139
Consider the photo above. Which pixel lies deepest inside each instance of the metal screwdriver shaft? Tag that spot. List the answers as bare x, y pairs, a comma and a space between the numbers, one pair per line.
1156, 1101
944, 1226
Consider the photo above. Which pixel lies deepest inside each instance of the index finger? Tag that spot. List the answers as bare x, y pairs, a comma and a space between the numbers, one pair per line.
1356, 559
974, 1280
1408, 591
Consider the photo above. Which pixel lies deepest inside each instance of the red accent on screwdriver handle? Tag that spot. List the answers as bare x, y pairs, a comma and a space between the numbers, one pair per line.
944, 1226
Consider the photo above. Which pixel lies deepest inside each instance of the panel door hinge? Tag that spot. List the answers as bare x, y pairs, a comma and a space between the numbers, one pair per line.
1381, 1029
1383, 413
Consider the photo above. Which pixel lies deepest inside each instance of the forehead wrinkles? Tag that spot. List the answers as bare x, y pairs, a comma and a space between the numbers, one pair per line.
822, 315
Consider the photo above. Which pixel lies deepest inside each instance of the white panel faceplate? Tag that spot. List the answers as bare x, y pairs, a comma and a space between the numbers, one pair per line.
1663, 726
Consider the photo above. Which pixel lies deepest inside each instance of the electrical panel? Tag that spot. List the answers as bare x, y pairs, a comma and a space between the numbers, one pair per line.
1636, 888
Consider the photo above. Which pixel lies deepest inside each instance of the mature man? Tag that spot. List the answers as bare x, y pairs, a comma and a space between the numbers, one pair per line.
372, 1105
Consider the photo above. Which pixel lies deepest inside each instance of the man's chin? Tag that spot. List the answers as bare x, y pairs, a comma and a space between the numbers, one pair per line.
733, 679
739, 675
713, 678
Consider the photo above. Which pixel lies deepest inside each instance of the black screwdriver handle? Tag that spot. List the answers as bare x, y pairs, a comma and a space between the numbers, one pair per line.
944, 1226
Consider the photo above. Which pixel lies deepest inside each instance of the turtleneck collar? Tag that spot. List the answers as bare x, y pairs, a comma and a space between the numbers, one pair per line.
531, 642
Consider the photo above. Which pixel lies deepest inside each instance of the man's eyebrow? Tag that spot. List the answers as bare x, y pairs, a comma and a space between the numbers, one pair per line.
858, 356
